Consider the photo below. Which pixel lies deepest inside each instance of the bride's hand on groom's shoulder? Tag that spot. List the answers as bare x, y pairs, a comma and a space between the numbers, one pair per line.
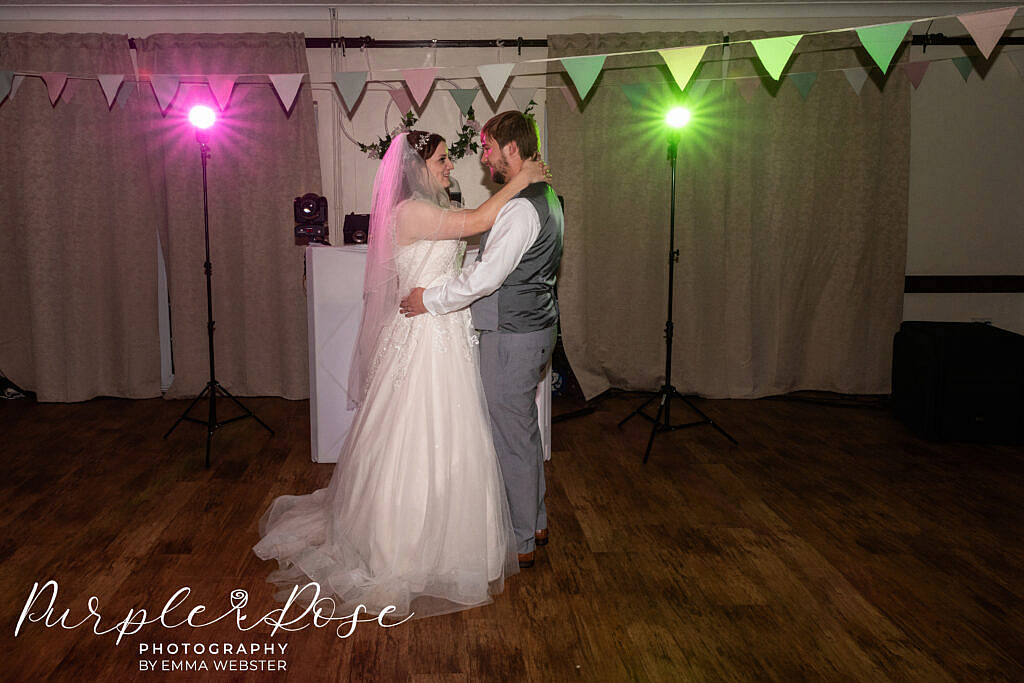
412, 304
536, 171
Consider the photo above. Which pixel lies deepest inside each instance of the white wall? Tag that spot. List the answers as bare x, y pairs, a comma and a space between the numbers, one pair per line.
966, 178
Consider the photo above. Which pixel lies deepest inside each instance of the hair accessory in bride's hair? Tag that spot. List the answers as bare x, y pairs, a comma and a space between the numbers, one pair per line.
421, 141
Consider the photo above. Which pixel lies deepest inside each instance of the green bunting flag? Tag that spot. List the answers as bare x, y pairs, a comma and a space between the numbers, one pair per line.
583, 71
464, 98
803, 82
963, 65
682, 62
775, 52
881, 42
635, 92
350, 86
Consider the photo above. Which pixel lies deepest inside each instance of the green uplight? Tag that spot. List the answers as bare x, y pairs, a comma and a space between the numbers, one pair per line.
677, 117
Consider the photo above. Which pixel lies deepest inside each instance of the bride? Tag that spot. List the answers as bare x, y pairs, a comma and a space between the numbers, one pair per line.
415, 515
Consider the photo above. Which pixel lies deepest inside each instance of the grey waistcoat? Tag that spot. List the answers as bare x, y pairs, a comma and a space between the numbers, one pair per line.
526, 301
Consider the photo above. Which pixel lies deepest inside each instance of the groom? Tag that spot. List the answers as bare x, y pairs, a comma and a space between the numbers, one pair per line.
511, 292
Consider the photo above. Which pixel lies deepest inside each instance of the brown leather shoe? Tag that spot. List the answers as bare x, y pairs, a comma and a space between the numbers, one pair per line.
541, 537
526, 560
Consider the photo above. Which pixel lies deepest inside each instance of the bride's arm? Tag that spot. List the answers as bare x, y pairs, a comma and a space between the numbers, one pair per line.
420, 220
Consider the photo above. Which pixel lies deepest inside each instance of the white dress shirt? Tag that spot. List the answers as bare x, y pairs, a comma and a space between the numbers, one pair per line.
513, 233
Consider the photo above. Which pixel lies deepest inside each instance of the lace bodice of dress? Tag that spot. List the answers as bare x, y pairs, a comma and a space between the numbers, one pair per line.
427, 263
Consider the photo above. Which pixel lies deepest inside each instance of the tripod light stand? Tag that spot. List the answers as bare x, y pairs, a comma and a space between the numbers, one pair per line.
202, 118
676, 119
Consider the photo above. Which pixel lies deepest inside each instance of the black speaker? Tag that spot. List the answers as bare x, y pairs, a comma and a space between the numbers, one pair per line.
959, 381
356, 228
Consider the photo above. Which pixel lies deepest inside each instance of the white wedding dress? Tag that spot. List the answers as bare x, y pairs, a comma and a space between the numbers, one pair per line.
415, 515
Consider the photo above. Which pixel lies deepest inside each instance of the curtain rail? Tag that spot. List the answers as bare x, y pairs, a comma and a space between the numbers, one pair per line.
924, 39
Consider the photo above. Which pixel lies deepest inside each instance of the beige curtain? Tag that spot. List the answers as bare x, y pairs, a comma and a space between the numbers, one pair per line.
261, 159
791, 223
78, 250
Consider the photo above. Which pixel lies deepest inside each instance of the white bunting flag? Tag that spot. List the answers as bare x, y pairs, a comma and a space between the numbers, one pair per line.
495, 76
522, 97
110, 83
287, 87
856, 77
165, 87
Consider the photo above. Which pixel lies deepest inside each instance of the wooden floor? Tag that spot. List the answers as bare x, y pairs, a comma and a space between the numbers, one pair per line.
830, 545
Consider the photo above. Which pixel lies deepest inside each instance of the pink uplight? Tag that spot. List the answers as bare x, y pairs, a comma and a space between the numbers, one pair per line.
201, 116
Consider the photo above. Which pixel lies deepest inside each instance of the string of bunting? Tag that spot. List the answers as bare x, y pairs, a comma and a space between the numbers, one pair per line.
881, 42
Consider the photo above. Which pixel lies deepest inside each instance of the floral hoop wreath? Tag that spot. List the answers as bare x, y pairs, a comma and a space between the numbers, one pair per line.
460, 147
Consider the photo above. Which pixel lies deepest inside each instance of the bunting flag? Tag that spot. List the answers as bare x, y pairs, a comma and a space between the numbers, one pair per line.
747, 86
856, 77
699, 88
635, 93
110, 83
419, 81
15, 84
1016, 57
464, 98
6, 79
682, 62
494, 77
350, 86
583, 71
915, 72
55, 83
986, 27
402, 99
287, 87
803, 82
775, 52
221, 86
522, 97
125, 92
569, 97
963, 65
165, 88
881, 42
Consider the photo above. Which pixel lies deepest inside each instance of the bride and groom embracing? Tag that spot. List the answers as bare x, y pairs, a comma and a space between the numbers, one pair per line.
438, 492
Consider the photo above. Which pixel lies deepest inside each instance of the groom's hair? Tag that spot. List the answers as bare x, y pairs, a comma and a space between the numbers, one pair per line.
514, 126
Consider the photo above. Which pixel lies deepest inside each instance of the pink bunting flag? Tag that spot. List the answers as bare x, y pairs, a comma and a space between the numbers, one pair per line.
569, 97
164, 87
287, 87
401, 98
110, 84
55, 83
221, 86
915, 72
747, 87
69, 91
420, 81
986, 27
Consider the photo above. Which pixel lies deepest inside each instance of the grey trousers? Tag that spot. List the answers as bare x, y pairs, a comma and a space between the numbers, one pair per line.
511, 366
